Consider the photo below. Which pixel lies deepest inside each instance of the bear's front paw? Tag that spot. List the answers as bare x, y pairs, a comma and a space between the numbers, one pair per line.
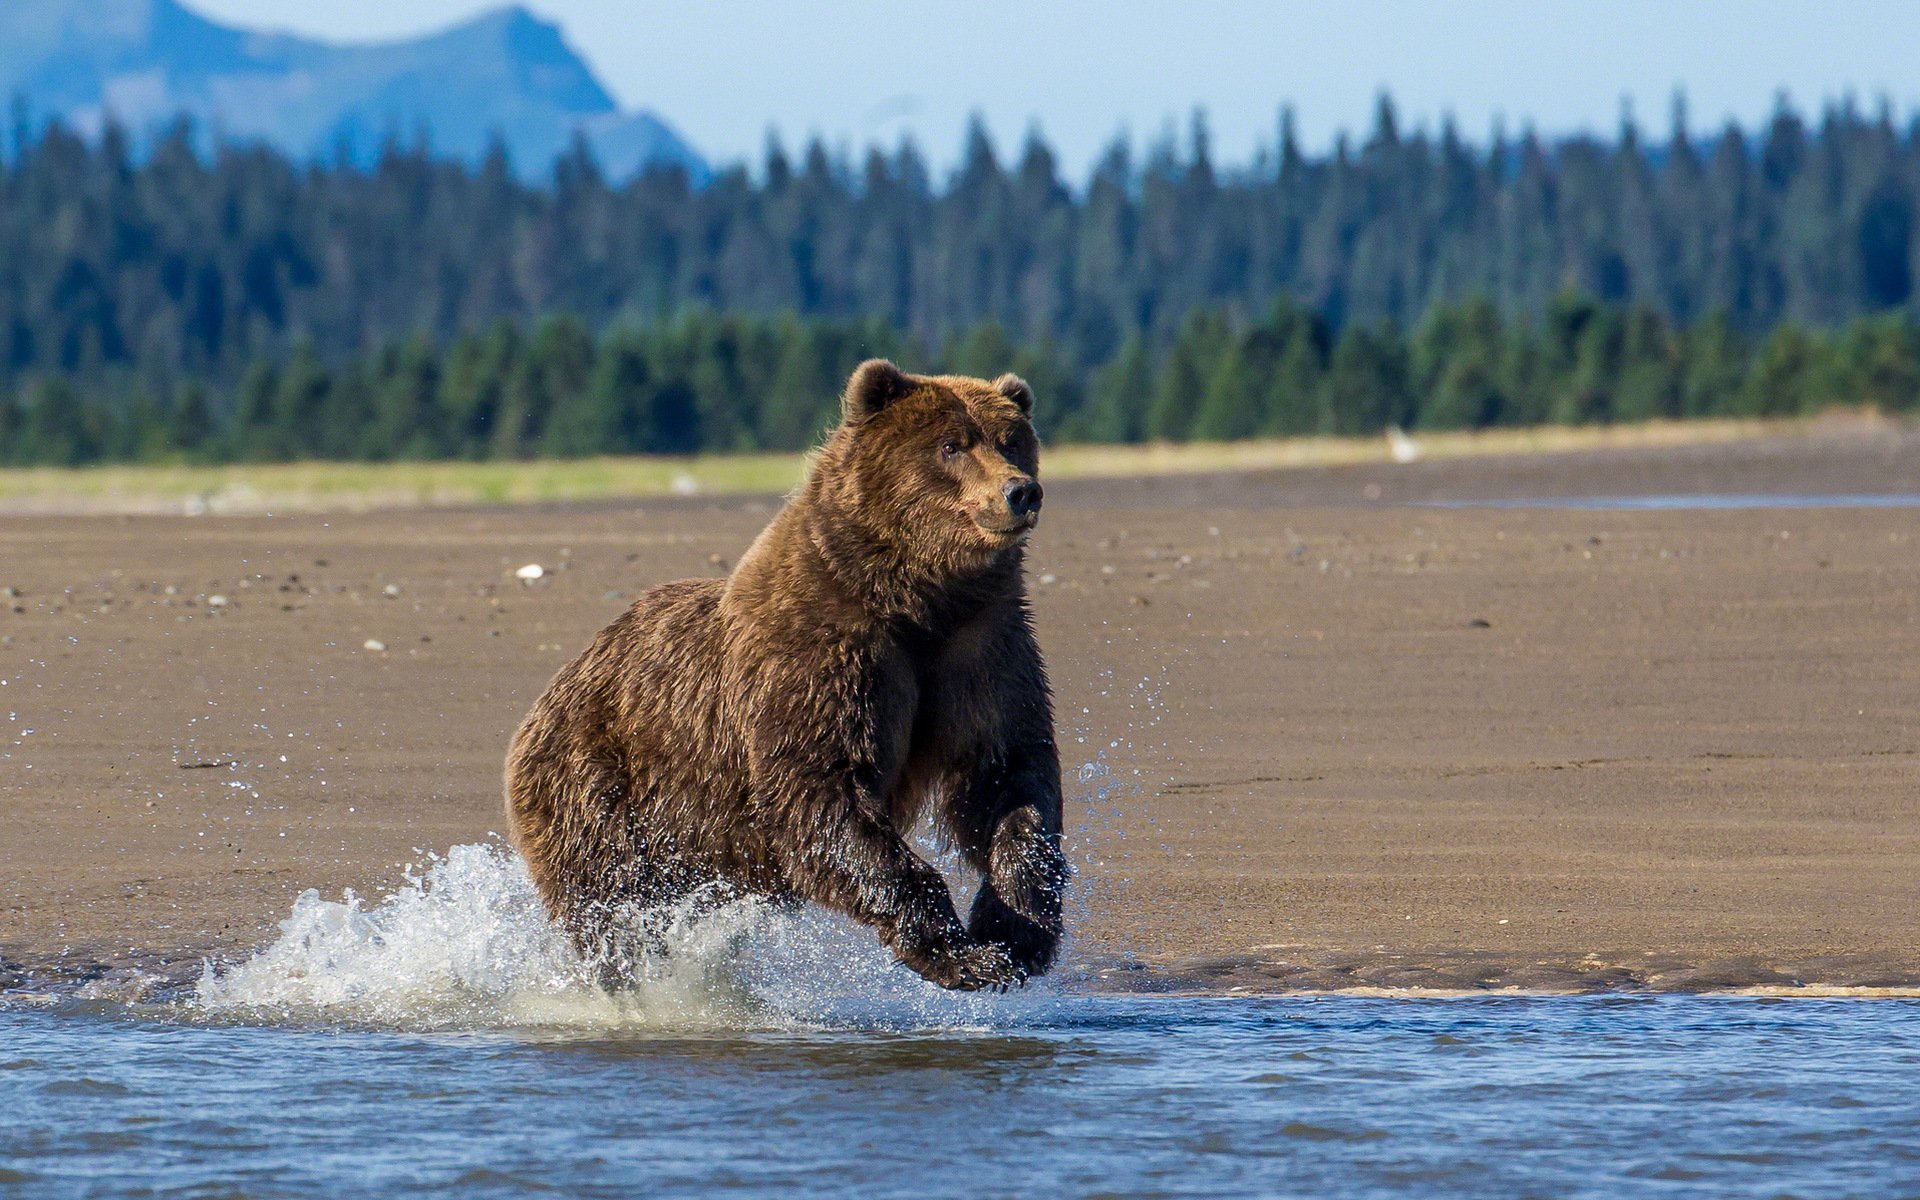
970, 967
1030, 945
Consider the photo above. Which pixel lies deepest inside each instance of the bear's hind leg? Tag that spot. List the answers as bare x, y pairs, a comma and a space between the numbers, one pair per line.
602, 888
635, 912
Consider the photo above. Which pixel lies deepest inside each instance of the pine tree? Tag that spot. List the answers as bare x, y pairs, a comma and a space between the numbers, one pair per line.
1184, 378
190, 421
604, 416
299, 425
1874, 361
60, 428
669, 417
1456, 373
1650, 374
799, 403
254, 436
1781, 380
1058, 393
474, 393
986, 351
1296, 395
1234, 406
13, 448
406, 416
140, 425
1366, 383
1588, 389
1713, 369
1118, 399
524, 404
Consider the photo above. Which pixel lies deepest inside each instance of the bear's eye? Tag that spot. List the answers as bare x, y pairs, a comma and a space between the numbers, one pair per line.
950, 448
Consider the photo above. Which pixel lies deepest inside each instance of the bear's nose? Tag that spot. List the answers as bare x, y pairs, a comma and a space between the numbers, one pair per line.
1023, 497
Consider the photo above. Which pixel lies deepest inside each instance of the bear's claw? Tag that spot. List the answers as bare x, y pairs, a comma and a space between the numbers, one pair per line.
978, 967
1031, 946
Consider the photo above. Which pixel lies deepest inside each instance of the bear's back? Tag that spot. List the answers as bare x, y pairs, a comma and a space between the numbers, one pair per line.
637, 685
664, 658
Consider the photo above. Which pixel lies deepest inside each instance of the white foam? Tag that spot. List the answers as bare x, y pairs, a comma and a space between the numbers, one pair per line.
466, 944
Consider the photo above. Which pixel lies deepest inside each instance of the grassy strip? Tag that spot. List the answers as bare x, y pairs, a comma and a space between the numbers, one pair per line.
334, 487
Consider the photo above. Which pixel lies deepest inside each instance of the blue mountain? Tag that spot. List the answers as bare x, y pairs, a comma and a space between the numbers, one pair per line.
505, 74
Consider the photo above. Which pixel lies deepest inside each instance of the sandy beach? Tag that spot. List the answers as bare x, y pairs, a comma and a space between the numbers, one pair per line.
1337, 732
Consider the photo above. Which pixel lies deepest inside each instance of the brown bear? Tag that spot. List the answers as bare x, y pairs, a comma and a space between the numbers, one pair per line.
781, 731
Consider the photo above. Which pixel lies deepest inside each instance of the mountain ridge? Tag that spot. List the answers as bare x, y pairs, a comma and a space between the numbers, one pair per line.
505, 73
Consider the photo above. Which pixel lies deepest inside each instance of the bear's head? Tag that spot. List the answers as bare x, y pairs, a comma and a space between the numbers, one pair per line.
943, 465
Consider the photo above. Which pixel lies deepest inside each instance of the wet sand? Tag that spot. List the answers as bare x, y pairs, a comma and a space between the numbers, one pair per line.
1342, 740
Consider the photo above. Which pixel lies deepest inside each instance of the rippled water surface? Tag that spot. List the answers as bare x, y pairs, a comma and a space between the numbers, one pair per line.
1047, 1095
442, 1040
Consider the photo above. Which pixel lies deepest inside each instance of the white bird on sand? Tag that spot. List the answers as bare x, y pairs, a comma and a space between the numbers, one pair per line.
1403, 448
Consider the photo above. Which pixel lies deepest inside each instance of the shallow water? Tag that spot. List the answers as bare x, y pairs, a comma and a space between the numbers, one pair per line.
443, 1040
1051, 1094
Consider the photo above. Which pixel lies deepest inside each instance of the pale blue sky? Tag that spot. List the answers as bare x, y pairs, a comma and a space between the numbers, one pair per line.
724, 71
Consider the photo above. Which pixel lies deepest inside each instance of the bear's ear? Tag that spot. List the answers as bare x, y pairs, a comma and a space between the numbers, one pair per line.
1015, 389
875, 384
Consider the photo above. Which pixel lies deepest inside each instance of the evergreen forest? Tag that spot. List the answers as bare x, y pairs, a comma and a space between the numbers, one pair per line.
241, 305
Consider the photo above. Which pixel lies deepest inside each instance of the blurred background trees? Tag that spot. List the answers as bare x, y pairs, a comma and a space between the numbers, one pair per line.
246, 306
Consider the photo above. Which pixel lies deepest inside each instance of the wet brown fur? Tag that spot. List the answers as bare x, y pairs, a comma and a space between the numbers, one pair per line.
869, 661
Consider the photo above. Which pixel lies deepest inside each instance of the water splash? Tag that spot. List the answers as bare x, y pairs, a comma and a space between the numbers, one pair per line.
1110, 823
466, 944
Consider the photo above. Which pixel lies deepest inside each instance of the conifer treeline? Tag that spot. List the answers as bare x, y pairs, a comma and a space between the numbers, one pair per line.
180, 267
705, 382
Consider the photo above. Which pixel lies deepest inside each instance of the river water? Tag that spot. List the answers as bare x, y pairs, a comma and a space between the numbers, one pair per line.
442, 1042
1058, 1095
